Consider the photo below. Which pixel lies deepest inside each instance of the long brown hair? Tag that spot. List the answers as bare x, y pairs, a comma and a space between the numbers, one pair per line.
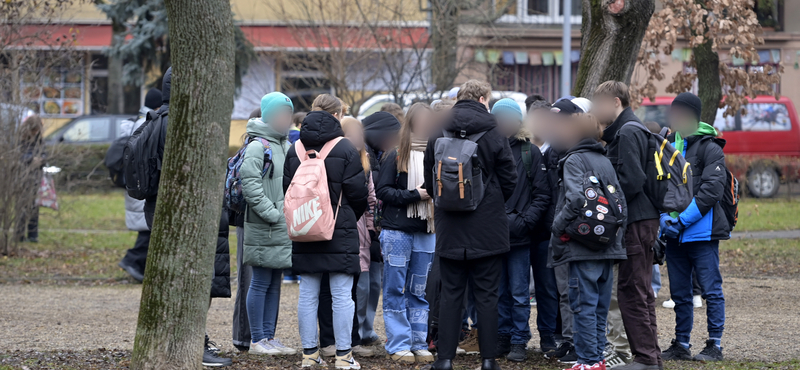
328, 103
353, 123
404, 148
31, 130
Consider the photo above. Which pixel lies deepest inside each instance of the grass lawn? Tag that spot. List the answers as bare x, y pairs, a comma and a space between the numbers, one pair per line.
768, 214
760, 257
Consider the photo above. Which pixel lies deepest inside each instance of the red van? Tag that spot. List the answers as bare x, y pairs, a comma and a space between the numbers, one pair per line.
763, 144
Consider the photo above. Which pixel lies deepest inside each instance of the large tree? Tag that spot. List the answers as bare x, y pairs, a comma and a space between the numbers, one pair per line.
708, 27
175, 295
612, 33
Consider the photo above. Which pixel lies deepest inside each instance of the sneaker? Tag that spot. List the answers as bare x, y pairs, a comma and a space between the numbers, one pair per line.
570, 358
314, 359
470, 343
211, 359
668, 304
423, 356
347, 362
559, 352
518, 353
676, 352
533, 301
577, 366
212, 346
132, 271
548, 343
328, 351
710, 353
370, 342
275, 343
264, 347
697, 301
503, 346
612, 359
288, 279
402, 356
460, 351
598, 366
363, 351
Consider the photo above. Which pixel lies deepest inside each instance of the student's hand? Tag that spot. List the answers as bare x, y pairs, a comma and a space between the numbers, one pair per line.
665, 217
674, 228
423, 194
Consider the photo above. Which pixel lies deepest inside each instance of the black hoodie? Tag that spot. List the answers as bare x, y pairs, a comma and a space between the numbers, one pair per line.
484, 231
528, 207
627, 149
345, 177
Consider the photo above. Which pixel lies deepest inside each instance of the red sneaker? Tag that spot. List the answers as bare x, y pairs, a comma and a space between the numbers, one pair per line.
598, 366
577, 367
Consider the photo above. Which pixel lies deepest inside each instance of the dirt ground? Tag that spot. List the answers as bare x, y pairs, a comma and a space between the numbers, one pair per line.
763, 317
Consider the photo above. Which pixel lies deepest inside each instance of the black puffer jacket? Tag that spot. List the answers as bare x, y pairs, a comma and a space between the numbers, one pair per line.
587, 156
528, 206
627, 149
392, 190
221, 285
484, 231
550, 158
346, 177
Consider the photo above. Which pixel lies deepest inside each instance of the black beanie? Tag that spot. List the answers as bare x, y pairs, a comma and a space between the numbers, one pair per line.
689, 101
378, 126
166, 86
153, 99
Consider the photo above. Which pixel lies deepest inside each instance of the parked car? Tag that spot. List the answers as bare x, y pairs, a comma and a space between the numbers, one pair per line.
375, 103
92, 129
766, 138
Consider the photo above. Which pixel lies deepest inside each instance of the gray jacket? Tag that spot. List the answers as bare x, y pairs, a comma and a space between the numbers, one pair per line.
588, 155
134, 209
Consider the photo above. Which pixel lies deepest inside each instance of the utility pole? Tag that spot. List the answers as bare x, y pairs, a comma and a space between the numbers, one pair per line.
566, 49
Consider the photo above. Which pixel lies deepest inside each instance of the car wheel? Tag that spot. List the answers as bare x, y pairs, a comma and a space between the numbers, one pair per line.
763, 182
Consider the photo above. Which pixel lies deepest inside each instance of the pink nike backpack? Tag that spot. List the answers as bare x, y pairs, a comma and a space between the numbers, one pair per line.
307, 204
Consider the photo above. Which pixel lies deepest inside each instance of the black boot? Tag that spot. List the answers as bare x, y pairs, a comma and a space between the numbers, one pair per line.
440, 364
490, 364
503, 346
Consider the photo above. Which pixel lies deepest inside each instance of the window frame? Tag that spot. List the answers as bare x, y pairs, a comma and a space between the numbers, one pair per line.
553, 16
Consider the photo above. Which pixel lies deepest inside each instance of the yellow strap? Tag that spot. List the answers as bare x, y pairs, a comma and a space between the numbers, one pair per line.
685, 176
658, 167
661, 150
672, 160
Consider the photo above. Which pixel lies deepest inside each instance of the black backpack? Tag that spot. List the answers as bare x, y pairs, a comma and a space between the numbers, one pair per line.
730, 199
114, 156
457, 172
141, 160
600, 219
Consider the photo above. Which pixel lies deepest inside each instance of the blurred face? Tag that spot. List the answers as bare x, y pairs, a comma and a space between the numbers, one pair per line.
355, 134
682, 120
564, 132
281, 119
422, 124
606, 108
536, 120
509, 124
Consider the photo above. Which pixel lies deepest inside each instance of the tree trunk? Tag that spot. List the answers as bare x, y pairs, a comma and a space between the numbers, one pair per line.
612, 34
116, 93
177, 284
710, 87
444, 40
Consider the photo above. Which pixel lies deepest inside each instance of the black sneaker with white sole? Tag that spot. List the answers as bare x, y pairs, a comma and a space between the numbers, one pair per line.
676, 352
518, 353
211, 359
559, 352
570, 358
710, 353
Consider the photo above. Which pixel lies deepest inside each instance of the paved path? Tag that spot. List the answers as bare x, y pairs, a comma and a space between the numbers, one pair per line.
773, 234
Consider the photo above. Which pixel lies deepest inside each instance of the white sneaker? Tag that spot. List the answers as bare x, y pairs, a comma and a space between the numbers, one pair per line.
402, 356
460, 351
423, 356
668, 304
263, 347
275, 343
697, 301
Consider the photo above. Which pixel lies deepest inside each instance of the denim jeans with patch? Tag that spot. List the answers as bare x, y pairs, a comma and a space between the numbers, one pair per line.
514, 307
590, 284
407, 259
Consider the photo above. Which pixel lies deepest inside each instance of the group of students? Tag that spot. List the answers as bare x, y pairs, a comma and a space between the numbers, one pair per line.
562, 194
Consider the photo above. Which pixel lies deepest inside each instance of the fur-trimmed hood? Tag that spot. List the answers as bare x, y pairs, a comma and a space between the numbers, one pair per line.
523, 134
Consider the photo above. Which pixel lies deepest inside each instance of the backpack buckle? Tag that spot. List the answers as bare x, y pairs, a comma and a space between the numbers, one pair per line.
463, 133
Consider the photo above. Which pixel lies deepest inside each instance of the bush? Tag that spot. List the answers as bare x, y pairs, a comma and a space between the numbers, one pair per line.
82, 167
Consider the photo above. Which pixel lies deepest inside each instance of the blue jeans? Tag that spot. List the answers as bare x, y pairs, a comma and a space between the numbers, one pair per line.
590, 284
343, 309
656, 282
369, 292
514, 307
545, 290
263, 302
408, 259
703, 258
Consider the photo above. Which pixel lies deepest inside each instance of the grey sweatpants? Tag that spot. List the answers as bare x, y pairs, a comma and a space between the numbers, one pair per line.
562, 282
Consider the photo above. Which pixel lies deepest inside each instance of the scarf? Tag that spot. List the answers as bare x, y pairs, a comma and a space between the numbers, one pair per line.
680, 143
422, 209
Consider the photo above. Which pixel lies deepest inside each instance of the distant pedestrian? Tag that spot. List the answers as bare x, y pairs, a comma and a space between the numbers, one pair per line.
33, 155
394, 109
297, 123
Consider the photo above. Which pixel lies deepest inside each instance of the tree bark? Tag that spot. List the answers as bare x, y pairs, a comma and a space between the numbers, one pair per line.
706, 61
612, 34
116, 93
177, 284
444, 40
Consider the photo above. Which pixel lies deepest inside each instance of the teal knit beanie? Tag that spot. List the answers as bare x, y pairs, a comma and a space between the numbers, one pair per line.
507, 106
273, 101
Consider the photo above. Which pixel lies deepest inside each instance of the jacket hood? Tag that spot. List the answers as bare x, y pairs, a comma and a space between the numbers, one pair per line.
319, 127
470, 116
706, 129
143, 111
257, 128
587, 145
522, 135
166, 86
611, 131
378, 126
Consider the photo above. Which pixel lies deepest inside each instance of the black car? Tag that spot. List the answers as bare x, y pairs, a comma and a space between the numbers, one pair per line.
92, 129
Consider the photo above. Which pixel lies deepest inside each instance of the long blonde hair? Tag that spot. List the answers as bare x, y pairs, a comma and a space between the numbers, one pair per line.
404, 148
350, 123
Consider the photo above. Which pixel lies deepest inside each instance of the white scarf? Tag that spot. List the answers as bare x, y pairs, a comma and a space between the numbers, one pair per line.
422, 209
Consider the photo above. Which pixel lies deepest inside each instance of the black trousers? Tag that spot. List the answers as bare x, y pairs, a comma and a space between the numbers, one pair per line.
325, 314
137, 256
484, 275
432, 292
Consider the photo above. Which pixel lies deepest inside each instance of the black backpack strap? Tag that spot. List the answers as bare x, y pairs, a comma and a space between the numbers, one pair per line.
664, 132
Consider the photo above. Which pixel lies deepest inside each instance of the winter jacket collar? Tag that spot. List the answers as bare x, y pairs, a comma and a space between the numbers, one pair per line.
522, 135
610, 133
257, 128
470, 116
318, 128
586, 145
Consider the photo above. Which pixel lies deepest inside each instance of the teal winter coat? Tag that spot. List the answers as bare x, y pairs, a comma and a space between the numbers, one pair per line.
266, 241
